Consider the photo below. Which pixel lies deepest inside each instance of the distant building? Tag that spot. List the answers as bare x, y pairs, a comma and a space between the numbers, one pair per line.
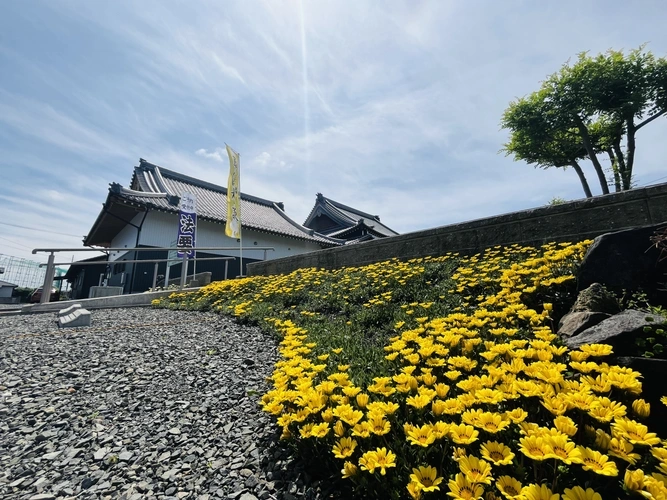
6, 291
146, 215
336, 220
82, 277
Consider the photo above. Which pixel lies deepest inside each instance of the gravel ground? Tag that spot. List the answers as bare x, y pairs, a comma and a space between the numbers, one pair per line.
143, 404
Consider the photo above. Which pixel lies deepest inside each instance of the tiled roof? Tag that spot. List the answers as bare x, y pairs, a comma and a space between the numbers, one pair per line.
361, 225
160, 188
347, 217
6, 283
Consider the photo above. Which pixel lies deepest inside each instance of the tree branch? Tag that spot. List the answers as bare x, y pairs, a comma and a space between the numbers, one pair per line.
582, 178
649, 120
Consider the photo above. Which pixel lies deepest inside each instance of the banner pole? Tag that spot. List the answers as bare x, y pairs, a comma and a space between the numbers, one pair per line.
240, 223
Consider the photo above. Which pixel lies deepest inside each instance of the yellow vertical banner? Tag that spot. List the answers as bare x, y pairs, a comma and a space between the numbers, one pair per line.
233, 227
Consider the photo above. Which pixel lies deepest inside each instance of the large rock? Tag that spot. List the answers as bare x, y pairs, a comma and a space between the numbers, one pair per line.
574, 323
619, 331
653, 388
596, 298
626, 260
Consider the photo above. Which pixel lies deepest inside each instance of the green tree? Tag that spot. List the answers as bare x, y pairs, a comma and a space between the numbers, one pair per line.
540, 140
596, 105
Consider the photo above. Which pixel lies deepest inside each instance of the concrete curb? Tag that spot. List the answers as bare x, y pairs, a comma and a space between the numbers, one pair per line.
133, 300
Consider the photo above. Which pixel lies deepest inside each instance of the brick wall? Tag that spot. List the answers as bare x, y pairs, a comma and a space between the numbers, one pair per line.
572, 221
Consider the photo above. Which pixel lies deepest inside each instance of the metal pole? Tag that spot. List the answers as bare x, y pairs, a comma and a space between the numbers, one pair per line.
166, 276
155, 276
226, 266
184, 270
265, 254
48, 280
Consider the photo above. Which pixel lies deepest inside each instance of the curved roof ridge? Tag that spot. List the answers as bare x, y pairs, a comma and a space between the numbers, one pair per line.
160, 181
342, 206
204, 184
307, 230
133, 192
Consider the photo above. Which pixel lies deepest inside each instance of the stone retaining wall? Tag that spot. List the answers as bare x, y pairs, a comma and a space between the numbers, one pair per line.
573, 221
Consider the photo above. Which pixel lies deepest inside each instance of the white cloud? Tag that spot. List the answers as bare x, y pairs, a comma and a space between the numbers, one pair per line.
218, 154
396, 110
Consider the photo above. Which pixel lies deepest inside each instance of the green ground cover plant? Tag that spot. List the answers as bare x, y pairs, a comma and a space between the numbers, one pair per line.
443, 376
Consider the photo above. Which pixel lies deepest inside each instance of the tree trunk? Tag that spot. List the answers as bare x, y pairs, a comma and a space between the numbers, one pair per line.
614, 169
582, 178
620, 157
586, 139
630, 159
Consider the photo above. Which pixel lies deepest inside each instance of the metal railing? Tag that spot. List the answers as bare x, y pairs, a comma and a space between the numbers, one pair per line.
51, 264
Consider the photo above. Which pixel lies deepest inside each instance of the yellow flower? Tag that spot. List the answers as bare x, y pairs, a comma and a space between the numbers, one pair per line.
462, 489
641, 408
378, 425
496, 452
419, 401
597, 350
362, 430
578, 356
634, 432
578, 493
420, 436
362, 400
475, 470
517, 415
634, 479
593, 460
414, 491
344, 448
337, 350
320, 430
602, 439
493, 422
534, 447
463, 434
537, 492
622, 449
426, 478
347, 414
349, 470
378, 459
561, 448
663, 400
566, 425
509, 487
339, 429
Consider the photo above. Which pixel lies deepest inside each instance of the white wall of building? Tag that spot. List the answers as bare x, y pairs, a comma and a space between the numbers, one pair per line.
127, 238
159, 229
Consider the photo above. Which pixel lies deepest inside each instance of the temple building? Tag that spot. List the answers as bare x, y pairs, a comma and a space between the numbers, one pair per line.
146, 215
335, 220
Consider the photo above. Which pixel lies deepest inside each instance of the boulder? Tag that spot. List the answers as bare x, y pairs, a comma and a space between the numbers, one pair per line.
574, 323
596, 298
653, 388
626, 260
619, 331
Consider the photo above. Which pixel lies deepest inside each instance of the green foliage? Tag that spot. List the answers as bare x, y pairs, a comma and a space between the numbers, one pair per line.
556, 200
594, 106
23, 293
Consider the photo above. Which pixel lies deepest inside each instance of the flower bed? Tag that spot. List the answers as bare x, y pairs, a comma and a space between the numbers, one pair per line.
444, 376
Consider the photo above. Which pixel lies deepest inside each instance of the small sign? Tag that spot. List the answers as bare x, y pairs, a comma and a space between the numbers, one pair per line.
172, 257
187, 225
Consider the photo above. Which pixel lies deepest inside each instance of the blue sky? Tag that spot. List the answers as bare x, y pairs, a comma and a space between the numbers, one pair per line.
392, 107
